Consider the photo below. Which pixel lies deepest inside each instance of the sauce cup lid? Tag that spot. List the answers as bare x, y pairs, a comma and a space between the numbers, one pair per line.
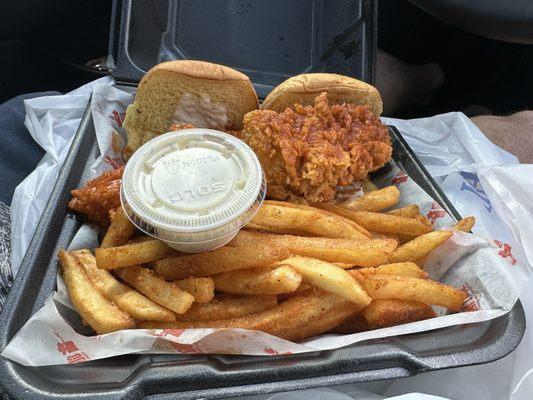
192, 185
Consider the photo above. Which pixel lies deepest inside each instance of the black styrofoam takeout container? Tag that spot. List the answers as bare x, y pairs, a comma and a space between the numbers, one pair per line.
269, 41
342, 40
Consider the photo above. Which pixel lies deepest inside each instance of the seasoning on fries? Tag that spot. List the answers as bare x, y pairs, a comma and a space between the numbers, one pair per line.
120, 230
364, 253
128, 300
375, 200
419, 246
383, 313
329, 278
342, 278
340, 273
215, 262
167, 294
465, 225
413, 289
395, 269
388, 223
319, 209
282, 279
132, 254
281, 219
410, 211
297, 318
101, 314
202, 289
226, 308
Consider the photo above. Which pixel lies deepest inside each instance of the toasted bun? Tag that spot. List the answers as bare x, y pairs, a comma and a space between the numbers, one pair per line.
304, 88
203, 94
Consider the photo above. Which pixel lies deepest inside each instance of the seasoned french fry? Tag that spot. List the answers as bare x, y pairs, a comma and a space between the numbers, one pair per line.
314, 210
423, 219
343, 265
299, 317
375, 200
381, 235
414, 289
421, 262
406, 238
132, 254
364, 253
410, 211
384, 313
157, 289
221, 260
252, 225
282, 279
396, 269
101, 314
387, 223
302, 288
420, 246
322, 321
313, 221
342, 212
368, 185
120, 230
356, 323
329, 278
225, 308
139, 239
128, 300
465, 225
203, 289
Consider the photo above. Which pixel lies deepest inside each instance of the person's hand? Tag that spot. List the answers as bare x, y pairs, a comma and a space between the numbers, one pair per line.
513, 133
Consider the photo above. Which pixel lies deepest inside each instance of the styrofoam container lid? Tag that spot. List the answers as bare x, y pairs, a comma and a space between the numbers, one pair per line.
192, 185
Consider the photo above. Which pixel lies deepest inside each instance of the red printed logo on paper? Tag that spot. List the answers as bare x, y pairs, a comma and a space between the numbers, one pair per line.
435, 212
77, 358
179, 347
271, 352
400, 177
185, 348
505, 251
66, 347
117, 117
472, 301
69, 348
167, 332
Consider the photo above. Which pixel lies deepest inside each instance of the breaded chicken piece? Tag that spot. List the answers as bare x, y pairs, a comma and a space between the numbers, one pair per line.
308, 152
98, 197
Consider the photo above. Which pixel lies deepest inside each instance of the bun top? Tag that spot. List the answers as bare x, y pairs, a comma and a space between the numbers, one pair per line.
188, 93
304, 88
198, 69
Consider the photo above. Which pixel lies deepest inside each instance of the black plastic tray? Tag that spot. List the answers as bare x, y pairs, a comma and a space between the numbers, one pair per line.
267, 40
198, 376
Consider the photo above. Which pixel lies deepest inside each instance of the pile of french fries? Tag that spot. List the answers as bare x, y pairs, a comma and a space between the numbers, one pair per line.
295, 271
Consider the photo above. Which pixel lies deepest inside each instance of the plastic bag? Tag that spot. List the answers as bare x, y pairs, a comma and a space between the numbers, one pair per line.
480, 179
52, 122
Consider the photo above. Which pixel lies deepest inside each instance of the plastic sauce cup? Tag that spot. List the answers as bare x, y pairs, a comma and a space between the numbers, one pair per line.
193, 189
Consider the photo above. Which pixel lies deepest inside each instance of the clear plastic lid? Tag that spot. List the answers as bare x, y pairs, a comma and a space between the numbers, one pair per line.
192, 185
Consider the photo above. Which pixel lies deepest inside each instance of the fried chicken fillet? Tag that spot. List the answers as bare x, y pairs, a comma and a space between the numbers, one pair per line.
98, 197
308, 152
